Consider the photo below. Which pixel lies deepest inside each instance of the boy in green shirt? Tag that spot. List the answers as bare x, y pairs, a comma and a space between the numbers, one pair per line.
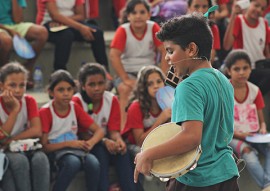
203, 106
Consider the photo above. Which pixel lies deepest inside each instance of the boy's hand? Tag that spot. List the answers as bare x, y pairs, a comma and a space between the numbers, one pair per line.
143, 165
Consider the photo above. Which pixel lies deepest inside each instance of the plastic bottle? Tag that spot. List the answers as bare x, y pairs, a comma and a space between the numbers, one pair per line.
38, 79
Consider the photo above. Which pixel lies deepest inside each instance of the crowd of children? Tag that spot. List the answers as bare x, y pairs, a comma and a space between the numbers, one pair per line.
93, 129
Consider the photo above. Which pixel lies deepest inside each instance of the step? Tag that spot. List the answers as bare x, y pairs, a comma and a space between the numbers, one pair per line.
80, 52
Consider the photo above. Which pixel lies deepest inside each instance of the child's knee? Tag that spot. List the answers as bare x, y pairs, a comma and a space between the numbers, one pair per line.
37, 32
92, 162
40, 158
5, 42
43, 33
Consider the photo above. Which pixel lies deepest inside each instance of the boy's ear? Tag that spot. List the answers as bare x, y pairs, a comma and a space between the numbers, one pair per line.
193, 49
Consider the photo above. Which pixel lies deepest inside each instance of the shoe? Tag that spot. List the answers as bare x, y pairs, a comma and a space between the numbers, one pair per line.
266, 188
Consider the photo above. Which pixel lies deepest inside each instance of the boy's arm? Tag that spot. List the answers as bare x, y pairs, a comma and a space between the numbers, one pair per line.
228, 37
17, 12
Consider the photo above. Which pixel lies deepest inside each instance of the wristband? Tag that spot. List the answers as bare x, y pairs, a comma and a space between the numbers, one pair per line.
4, 132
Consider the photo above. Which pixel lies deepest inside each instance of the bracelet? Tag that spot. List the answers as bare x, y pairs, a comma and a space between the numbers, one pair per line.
4, 132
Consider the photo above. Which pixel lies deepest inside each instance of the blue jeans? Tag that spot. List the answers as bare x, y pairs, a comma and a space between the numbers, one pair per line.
27, 172
260, 174
122, 165
69, 165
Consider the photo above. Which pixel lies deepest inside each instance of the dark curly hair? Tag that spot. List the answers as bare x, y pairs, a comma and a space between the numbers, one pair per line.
188, 28
140, 92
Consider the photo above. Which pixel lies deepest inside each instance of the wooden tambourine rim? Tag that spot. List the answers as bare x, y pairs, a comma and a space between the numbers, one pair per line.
181, 171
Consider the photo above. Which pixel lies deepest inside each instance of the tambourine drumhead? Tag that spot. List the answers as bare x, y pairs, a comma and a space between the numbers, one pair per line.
173, 166
259, 138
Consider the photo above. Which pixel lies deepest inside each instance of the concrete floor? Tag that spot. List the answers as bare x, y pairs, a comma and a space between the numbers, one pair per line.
246, 183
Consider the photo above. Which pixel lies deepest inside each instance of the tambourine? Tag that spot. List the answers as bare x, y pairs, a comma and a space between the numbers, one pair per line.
173, 166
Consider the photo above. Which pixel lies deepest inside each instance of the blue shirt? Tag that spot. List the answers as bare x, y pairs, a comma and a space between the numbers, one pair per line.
207, 96
6, 11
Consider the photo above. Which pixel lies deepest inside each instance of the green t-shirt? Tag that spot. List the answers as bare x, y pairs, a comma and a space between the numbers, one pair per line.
6, 11
201, 97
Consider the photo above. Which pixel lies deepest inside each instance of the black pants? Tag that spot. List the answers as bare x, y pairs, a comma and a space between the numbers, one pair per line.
228, 185
63, 42
261, 77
